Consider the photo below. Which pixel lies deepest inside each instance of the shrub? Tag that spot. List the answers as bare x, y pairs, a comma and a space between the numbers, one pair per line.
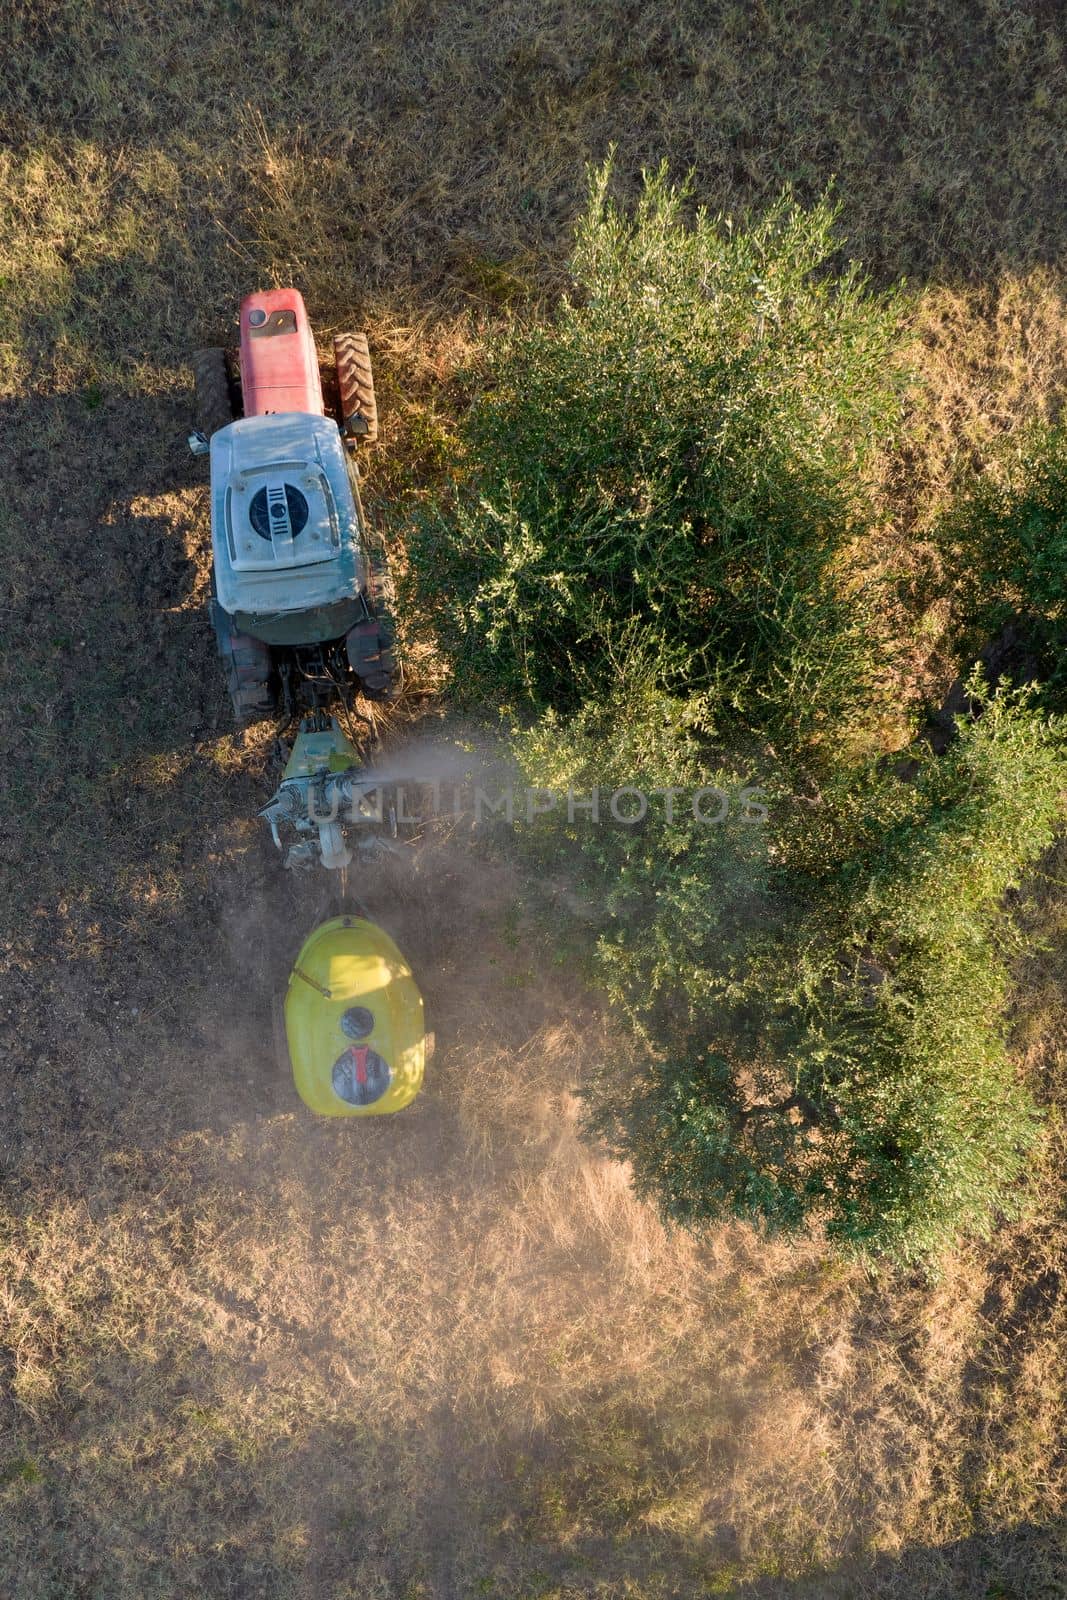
819, 1001
667, 898
682, 446
649, 553
1005, 551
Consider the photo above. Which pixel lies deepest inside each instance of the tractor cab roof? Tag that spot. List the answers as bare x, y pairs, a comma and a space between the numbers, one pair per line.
284, 515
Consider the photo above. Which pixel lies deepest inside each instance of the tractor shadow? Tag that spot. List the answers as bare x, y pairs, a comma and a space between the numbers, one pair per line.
130, 803
107, 556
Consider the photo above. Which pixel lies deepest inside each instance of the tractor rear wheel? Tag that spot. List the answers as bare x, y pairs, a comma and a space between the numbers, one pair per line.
214, 407
372, 646
233, 380
249, 671
355, 383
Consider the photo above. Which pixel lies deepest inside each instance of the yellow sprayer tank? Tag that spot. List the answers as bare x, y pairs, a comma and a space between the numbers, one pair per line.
354, 1022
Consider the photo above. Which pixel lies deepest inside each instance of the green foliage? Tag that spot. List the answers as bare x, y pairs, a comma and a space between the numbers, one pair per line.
1005, 551
651, 550
20, 1469
682, 446
662, 892
818, 1001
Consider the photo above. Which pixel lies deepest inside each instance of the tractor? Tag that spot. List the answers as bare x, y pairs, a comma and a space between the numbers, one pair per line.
302, 601
302, 612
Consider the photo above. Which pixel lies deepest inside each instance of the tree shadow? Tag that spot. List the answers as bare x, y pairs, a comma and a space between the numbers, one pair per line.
180, 1472
452, 162
1024, 1562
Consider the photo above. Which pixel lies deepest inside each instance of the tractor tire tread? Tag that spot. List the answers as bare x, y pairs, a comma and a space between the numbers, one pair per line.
247, 665
355, 384
214, 405
372, 645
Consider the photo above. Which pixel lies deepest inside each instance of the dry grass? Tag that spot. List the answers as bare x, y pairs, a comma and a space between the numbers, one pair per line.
250, 1355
